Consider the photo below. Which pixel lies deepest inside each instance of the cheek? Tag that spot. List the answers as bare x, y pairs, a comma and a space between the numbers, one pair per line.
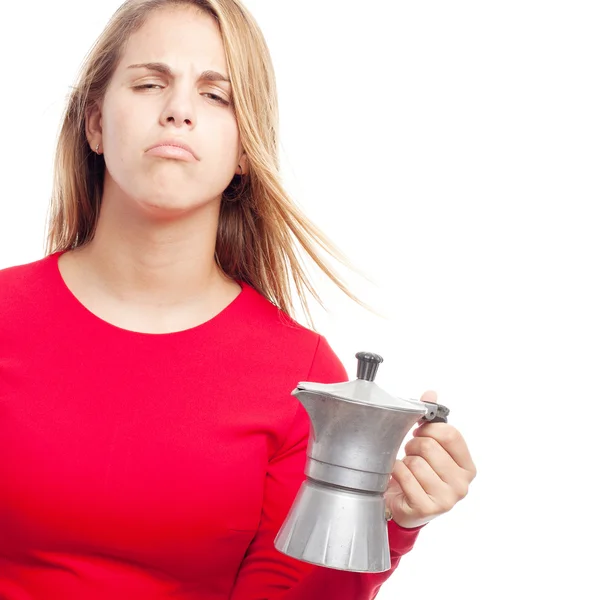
116, 133
124, 145
223, 142
120, 129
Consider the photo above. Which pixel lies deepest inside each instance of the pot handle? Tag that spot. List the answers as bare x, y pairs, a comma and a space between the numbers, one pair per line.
436, 413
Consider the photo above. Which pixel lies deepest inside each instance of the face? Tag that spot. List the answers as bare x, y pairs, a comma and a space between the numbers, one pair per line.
184, 101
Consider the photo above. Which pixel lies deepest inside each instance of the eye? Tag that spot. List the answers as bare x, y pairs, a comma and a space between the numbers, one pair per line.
217, 98
213, 97
147, 86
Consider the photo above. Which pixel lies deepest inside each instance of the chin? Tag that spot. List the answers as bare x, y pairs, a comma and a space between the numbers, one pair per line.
166, 207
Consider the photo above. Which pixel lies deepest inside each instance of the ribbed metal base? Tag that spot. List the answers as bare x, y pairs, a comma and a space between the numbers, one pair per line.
336, 528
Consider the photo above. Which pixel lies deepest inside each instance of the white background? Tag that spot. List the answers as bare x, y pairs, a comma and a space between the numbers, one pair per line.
451, 149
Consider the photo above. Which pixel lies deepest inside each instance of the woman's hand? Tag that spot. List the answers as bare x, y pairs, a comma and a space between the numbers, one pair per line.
433, 476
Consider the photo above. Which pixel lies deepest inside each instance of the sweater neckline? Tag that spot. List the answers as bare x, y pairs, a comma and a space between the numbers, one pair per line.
79, 310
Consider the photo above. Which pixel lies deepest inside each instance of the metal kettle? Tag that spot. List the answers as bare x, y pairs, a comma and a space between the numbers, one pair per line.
338, 519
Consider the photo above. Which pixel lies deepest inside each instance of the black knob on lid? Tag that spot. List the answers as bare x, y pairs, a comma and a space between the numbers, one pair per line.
368, 363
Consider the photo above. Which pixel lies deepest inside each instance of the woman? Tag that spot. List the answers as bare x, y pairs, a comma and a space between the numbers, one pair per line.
151, 447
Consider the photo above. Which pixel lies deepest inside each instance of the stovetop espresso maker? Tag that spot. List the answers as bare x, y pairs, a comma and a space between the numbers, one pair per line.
338, 517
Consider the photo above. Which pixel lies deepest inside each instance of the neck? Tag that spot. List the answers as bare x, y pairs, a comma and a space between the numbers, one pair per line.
139, 256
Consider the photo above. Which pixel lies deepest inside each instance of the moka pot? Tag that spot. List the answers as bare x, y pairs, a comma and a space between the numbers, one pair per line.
338, 519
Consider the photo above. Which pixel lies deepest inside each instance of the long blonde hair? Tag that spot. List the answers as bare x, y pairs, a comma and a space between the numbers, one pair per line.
260, 229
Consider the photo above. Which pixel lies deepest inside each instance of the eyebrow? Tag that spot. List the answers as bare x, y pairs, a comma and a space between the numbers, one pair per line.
166, 70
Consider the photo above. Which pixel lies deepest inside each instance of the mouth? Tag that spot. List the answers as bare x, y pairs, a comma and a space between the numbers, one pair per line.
173, 151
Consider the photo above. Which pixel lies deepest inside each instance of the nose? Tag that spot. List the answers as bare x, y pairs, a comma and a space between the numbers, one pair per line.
179, 110
178, 121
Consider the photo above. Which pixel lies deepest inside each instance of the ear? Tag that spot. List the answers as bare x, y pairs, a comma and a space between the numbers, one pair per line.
93, 125
243, 162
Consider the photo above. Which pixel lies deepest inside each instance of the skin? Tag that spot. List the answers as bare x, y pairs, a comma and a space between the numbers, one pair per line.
150, 266
433, 476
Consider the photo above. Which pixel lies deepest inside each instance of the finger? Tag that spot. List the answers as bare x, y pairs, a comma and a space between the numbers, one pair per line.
441, 462
427, 478
415, 495
429, 396
450, 440
438, 459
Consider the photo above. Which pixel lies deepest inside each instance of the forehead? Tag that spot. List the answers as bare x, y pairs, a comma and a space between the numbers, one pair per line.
183, 37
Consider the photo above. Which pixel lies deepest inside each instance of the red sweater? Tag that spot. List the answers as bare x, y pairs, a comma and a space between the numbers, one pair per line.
155, 466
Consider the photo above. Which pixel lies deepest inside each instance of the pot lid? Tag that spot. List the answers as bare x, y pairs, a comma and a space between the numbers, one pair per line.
364, 390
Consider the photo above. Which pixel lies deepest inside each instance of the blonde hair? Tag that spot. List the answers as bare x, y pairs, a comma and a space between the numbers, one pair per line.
260, 229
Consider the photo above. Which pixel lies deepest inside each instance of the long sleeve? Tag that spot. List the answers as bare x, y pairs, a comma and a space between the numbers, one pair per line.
267, 574
163, 468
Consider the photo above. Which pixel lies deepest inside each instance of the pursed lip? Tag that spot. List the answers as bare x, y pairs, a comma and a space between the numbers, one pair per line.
176, 143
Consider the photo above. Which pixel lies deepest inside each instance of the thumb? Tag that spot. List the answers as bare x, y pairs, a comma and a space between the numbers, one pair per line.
429, 396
